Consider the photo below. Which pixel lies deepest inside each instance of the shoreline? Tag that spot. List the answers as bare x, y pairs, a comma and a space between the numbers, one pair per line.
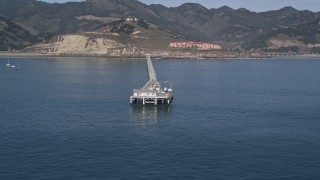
130, 56
39, 55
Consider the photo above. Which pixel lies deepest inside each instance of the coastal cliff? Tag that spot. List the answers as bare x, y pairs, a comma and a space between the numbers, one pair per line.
75, 44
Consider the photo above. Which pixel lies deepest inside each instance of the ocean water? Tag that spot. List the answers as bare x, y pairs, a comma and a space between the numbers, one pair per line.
70, 118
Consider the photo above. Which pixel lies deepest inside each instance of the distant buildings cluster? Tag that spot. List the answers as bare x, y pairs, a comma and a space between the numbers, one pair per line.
196, 45
131, 19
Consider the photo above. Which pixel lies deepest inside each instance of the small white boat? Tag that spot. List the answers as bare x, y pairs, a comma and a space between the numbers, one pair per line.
18, 67
13, 66
8, 64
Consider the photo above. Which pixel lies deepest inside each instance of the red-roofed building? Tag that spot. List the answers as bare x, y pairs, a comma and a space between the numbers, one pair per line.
197, 45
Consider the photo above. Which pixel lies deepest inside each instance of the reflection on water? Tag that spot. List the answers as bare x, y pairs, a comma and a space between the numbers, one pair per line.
150, 114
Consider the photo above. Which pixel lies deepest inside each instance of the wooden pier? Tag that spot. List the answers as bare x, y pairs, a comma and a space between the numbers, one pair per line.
152, 92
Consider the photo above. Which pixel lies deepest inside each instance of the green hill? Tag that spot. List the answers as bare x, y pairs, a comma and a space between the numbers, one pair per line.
137, 33
13, 36
303, 36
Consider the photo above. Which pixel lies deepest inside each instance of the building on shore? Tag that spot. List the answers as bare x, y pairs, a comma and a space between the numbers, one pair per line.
196, 45
131, 19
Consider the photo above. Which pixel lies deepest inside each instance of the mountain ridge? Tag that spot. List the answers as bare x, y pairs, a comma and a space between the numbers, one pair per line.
190, 21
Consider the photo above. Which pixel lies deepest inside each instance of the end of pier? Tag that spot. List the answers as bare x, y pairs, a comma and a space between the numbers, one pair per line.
152, 92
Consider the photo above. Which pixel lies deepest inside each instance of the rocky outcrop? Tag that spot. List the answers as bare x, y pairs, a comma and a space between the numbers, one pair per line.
284, 41
85, 44
77, 44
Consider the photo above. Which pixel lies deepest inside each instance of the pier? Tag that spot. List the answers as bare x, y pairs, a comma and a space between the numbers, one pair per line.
152, 92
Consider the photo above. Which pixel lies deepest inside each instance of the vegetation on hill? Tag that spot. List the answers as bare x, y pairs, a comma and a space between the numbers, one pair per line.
12, 36
308, 33
138, 33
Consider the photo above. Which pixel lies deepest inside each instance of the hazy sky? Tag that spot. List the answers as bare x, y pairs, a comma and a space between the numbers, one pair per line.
253, 5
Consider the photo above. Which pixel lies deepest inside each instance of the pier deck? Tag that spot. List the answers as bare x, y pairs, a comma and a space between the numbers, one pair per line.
152, 92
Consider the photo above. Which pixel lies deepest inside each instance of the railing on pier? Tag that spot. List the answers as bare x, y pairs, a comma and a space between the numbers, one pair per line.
152, 74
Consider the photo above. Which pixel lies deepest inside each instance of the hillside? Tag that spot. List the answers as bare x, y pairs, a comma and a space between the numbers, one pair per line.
300, 38
113, 38
13, 36
190, 21
228, 25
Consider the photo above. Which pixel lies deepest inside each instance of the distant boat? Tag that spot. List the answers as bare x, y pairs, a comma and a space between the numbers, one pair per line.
18, 67
13, 66
8, 64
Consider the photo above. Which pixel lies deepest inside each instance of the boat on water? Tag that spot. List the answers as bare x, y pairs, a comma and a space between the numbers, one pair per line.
8, 64
13, 66
18, 66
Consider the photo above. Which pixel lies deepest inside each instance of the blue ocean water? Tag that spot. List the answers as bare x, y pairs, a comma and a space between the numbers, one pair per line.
70, 118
